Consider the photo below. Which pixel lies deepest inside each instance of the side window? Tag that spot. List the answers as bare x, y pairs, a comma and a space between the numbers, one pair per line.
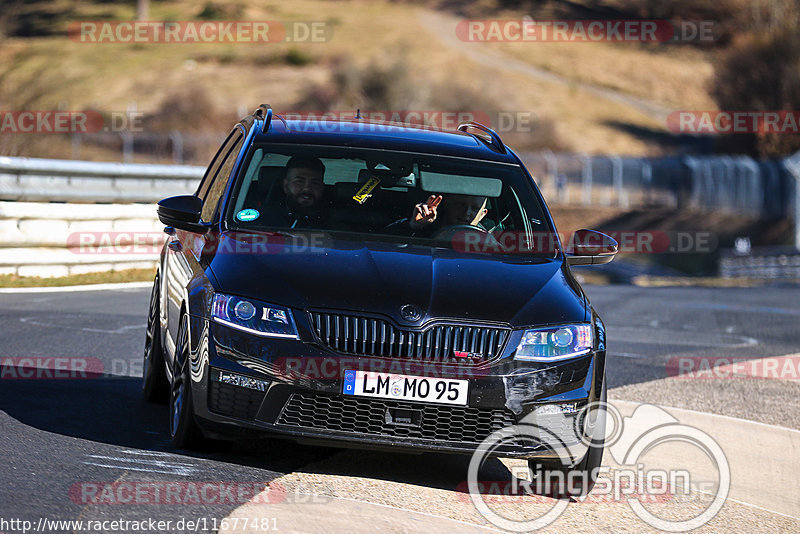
205, 183
221, 172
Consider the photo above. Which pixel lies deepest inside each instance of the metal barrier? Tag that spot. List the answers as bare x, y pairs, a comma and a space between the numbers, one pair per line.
763, 262
734, 184
43, 202
49, 208
52, 180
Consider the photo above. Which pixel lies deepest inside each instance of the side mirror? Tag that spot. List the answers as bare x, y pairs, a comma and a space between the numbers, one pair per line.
182, 212
589, 247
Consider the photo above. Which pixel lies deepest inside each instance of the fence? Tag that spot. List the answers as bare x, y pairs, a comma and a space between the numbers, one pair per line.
739, 184
44, 202
176, 147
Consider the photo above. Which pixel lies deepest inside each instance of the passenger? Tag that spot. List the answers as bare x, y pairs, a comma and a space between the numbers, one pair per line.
437, 213
457, 210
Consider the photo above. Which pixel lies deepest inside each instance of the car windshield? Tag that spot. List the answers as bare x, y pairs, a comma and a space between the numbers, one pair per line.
470, 205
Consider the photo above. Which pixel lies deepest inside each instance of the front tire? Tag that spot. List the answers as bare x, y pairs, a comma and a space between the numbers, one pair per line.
586, 469
183, 429
155, 386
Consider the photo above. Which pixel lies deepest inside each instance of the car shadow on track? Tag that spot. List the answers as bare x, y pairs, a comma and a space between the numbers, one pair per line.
108, 409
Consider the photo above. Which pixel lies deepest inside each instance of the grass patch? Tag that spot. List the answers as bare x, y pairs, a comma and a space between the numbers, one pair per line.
709, 281
112, 277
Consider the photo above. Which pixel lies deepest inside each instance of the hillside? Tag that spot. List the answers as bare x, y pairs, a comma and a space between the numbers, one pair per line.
407, 51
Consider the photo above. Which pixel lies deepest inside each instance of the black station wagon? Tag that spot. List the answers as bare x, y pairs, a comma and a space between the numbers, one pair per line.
372, 285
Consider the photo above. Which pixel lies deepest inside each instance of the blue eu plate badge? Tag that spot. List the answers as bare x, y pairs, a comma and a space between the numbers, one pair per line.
349, 383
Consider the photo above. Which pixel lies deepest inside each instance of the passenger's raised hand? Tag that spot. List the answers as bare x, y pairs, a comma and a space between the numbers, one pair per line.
424, 213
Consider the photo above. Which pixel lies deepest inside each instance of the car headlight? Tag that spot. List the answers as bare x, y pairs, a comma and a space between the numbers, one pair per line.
555, 343
251, 316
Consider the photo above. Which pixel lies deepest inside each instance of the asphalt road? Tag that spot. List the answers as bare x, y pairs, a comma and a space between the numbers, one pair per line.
60, 436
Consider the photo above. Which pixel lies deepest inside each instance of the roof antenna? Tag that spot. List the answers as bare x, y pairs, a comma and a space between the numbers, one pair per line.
358, 113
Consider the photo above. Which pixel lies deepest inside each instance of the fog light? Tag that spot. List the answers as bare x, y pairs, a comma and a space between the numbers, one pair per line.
226, 377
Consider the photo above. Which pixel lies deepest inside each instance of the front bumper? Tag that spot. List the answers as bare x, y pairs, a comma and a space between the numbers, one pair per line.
297, 394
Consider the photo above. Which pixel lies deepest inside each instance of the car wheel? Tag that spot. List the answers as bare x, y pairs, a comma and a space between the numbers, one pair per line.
155, 387
183, 429
584, 472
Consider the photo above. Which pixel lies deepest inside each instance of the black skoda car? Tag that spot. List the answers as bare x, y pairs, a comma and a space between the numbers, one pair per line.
372, 285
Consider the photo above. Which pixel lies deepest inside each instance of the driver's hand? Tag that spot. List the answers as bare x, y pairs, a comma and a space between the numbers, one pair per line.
424, 213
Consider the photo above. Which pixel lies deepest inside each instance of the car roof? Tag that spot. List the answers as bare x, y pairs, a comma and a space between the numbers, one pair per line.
387, 136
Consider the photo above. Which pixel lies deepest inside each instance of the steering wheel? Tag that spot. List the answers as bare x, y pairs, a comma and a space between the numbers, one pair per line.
450, 231
457, 234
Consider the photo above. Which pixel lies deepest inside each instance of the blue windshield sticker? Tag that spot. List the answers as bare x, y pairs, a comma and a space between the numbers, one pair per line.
248, 215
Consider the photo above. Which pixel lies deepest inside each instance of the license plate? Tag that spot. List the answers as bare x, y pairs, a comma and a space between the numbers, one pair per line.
404, 387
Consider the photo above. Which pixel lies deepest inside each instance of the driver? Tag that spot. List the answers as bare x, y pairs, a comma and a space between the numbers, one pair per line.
303, 205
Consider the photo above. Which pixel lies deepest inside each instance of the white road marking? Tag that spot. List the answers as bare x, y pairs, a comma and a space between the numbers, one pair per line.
120, 330
150, 453
740, 308
629, 355
143, 469
157, 466
73, 289
684, 337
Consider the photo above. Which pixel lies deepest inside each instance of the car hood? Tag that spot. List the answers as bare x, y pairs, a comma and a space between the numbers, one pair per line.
379, 278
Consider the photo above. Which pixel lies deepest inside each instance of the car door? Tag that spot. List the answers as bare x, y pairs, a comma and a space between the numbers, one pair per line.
181, 260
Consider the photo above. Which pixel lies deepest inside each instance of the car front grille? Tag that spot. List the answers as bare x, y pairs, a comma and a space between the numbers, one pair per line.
443, 343
393, 419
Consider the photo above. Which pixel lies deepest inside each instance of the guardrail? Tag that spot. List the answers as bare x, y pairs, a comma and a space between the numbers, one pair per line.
45, 202
52, 180
761, 262
50, 208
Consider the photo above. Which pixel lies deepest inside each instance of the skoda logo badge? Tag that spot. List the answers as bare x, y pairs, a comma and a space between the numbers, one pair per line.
409, 312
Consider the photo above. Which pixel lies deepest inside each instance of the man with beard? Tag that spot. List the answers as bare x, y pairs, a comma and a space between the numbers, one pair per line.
303, 206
